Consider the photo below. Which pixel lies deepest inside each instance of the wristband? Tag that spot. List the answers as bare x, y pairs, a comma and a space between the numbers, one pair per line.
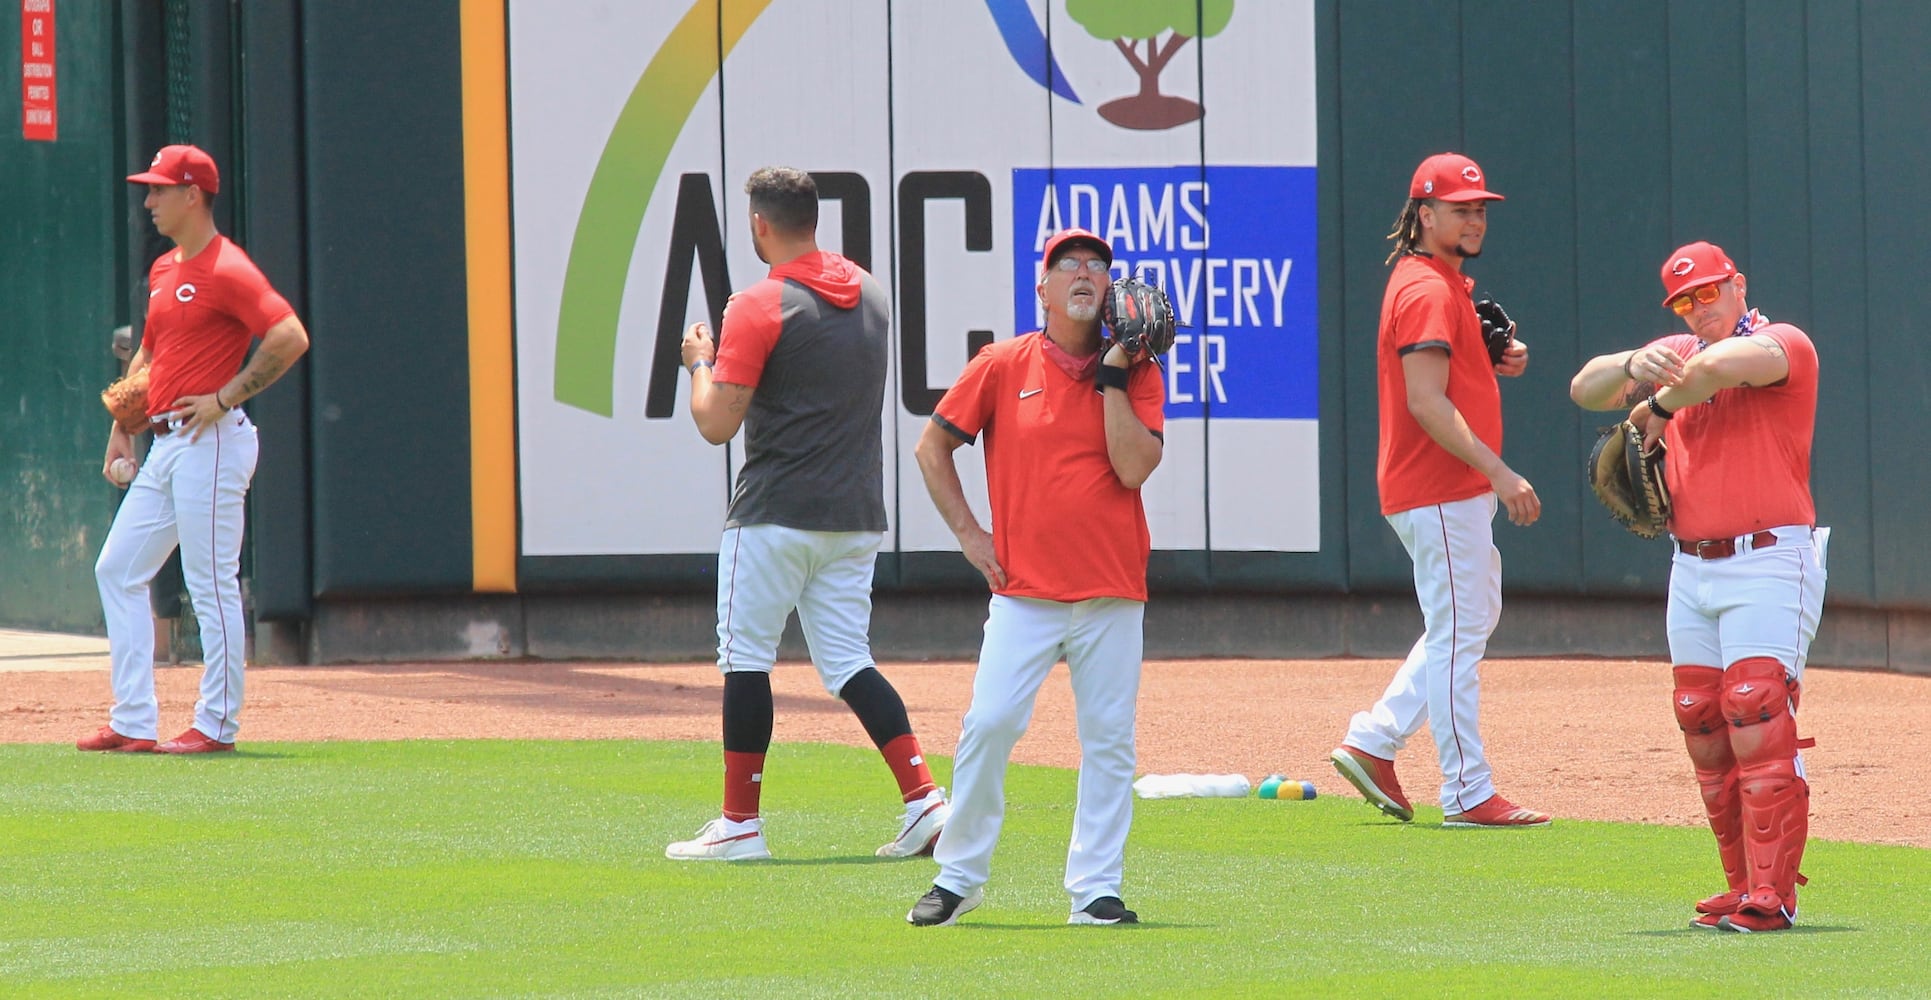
1657, 408
1109, 377
1626, 372
700, 363
224, 406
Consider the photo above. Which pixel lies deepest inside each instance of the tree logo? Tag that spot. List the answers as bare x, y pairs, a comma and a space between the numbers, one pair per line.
1129, 24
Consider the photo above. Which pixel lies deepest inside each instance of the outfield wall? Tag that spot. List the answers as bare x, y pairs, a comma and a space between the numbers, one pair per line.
497, 216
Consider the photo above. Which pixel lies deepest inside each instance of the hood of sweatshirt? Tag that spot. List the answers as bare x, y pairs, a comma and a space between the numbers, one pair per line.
835, 279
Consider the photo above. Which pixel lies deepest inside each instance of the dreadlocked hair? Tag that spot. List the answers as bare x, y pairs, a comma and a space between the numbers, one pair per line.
1407, 231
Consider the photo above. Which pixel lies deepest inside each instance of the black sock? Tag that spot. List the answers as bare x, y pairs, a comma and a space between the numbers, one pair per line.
747, 712
876, 703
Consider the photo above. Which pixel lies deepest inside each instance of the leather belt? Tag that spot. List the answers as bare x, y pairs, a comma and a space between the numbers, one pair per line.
1724, 548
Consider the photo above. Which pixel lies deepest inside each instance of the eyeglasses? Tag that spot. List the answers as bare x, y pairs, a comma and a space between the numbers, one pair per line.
1093, 265
1682, 304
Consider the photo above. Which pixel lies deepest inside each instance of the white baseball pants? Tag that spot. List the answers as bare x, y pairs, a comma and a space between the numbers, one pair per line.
1101, 640
766, 570
1759, 602
191, 494
1458, 581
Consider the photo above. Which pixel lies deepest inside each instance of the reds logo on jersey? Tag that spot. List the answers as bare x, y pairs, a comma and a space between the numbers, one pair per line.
184, 292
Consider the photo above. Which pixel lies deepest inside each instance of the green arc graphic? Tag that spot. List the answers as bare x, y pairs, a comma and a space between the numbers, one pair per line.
620, 189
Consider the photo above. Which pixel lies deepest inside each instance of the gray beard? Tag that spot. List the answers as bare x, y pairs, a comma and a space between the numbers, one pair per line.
1082, 313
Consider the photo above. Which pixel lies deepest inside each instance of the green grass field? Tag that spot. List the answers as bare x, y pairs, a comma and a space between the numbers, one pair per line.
537, 870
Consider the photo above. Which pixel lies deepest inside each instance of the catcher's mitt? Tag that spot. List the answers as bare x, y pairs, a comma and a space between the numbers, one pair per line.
127, 400
1497, 328
1629, 481
1140, 317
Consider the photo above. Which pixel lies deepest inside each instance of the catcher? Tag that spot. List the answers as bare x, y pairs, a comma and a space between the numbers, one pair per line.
1067, 567
1735, 401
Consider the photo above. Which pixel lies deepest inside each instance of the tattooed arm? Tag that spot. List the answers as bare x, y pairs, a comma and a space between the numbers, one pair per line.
1735, 362
1609, 382
717, 408
281, 347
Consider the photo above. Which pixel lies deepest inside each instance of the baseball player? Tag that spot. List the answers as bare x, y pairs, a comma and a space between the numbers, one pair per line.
206, 303
1441, 477
1070, 437
800, 364
1734, 401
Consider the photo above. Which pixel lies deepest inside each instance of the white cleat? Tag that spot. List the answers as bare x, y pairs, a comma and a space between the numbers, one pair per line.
723, 840
924, 820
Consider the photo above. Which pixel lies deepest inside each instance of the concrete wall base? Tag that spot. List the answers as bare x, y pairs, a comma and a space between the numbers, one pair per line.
680, 627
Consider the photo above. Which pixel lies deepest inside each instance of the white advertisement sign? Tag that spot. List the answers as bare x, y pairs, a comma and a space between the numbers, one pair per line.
948, 140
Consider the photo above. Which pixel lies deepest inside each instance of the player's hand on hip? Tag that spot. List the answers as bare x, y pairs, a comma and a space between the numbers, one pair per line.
1515, 360
1656, 365
196, 414
976, 543
1518, 498
698, 345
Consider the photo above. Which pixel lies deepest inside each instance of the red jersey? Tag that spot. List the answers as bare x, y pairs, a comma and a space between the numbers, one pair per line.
1740, 462
202, 314
1064, 528
1427, 305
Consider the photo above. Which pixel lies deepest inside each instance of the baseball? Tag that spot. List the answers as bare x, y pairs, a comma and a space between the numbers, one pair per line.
122, 471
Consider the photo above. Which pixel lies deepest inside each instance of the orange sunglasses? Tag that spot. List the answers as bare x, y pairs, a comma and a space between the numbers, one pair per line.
1705, 294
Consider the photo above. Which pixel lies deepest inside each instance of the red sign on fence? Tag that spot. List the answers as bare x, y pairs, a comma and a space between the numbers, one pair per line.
39, 113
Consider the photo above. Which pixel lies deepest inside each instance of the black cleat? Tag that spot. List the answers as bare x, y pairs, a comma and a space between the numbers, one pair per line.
943, 907
1104, 910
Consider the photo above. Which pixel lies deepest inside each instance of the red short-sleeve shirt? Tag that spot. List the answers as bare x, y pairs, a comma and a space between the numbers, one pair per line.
202, 314
1427, 306
1740, 462
1063, 526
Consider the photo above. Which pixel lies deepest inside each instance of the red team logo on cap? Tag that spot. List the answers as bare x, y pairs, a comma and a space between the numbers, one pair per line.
1683, 266
1472, 174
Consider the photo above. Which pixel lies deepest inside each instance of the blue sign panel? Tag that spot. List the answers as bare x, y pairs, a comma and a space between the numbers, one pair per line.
1234, 247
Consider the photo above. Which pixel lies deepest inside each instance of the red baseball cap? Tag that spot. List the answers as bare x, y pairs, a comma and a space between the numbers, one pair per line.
181, 165
1066, 239
1694, 266
1450, 177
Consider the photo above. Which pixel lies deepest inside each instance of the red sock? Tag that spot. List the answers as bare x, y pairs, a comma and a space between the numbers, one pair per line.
908, 766
743, 779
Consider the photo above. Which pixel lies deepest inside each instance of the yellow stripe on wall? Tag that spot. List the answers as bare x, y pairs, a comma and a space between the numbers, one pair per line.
486, 211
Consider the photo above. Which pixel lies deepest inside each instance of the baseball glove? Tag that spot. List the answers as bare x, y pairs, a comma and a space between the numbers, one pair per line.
1497, 328
127, 400
1140, 318
1629, 481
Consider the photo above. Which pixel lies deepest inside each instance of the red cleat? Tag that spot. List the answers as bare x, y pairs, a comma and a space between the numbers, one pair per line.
194, 741
1710, 912
1496, 812
107, 740
1722, 903
1375, 779
1745, 922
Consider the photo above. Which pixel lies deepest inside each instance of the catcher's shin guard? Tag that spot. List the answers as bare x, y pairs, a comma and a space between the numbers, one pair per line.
1776, 798
1706, 734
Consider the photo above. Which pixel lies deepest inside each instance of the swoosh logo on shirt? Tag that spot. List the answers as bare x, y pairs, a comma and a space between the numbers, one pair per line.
1023, 393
